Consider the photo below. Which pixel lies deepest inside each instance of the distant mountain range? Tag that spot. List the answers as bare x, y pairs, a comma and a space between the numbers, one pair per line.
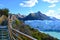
35, 16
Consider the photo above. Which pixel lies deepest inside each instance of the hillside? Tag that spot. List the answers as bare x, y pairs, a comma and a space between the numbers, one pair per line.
4, 16
19, 25
2, 19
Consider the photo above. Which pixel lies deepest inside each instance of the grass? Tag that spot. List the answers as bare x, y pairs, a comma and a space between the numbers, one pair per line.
2, 18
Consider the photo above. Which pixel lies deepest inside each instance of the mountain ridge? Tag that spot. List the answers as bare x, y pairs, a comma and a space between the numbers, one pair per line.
35, 16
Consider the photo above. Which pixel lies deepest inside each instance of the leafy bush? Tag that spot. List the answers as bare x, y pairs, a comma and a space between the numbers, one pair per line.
4, 11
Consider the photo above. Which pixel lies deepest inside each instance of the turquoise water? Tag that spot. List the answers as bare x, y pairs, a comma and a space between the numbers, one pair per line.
54, 34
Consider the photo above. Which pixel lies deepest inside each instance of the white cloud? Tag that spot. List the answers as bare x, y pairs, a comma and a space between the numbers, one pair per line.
51, 1
59, 9
29, 3
52, 13
51, 6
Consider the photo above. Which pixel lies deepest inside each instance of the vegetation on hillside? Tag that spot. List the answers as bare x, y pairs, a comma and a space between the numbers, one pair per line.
19, 25
4, 11
2, 19
3, 16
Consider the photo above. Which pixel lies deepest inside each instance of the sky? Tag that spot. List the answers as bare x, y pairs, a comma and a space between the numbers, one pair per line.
24, 7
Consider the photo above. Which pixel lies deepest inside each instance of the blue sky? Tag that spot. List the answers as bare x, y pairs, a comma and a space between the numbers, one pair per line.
47, 7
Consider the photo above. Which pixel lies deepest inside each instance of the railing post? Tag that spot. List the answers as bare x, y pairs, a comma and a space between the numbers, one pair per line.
9, 29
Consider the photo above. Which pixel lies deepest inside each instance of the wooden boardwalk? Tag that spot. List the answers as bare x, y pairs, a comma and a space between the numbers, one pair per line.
14, 34
4, 34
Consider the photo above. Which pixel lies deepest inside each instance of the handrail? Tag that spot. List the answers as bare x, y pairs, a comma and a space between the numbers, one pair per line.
11, 30
29, 37
16, 36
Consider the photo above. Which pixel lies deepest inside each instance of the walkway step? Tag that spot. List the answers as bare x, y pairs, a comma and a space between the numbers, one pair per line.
4, 34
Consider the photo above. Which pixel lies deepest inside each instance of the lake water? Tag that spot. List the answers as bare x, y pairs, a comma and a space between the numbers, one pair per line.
54, 34
46, 25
